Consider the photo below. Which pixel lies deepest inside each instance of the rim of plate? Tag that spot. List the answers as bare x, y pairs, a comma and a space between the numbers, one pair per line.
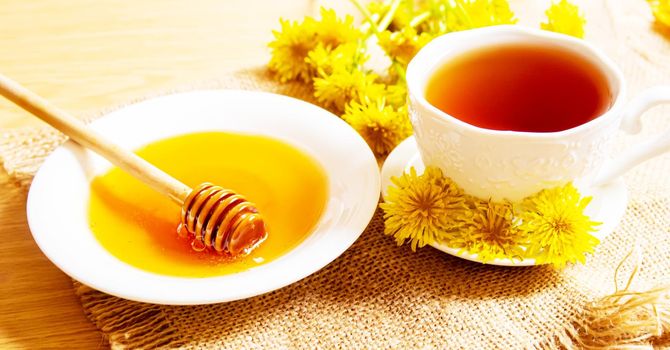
58, 197
607, 206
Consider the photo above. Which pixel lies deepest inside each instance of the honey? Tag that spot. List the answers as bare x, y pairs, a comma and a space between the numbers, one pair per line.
138, 225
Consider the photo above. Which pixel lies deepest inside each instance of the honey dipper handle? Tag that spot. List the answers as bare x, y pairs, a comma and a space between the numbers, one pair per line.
89, 138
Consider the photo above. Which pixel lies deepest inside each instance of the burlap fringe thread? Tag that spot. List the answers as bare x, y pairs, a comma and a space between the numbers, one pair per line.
622, 320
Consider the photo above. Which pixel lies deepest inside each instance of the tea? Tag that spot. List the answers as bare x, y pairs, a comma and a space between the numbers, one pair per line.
520, 87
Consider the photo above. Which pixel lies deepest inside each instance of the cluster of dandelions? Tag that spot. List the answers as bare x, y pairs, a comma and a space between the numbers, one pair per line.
661, 10
549, 226
331, 54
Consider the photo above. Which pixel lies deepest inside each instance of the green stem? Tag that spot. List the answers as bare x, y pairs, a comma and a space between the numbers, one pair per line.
370, 21
386, 21
464, 15
400, 70
438, 11
418, 19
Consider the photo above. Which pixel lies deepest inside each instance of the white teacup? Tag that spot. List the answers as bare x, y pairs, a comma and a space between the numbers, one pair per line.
512, 165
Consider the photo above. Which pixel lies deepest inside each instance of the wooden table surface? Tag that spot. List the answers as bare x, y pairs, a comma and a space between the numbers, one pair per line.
90, 55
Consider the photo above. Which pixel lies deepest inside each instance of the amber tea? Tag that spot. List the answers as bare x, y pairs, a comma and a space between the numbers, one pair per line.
520, 87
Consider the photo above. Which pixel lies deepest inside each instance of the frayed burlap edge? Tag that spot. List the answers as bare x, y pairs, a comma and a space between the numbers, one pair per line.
625, 319
622, 320
128, 324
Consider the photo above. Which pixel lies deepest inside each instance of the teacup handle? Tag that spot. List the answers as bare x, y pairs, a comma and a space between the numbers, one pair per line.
632, 124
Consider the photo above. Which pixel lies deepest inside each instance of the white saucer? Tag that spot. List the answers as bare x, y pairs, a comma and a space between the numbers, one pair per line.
607, 206
58, 198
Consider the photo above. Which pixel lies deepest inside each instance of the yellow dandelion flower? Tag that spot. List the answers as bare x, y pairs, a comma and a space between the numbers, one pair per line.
435, 23
470, 14
401, 46
420, 208
332, 32
402, 17
378, 8
555, 226
502, 12
661, 10
564, 17
293, 43
334, 91
290, 48
489, 230
347, 56
381, 126
396, 95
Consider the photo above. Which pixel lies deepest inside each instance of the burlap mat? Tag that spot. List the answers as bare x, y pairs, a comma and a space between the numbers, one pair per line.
377, 295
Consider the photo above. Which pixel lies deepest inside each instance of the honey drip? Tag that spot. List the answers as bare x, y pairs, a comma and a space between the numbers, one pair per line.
221, 219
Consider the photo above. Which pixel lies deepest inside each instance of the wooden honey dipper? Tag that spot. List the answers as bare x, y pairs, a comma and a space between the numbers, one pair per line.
213, 216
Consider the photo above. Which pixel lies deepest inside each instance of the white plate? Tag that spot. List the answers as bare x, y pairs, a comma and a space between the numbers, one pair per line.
607, 206
58, 198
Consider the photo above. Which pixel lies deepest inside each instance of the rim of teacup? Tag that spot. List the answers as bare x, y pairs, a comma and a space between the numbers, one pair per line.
434, 55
